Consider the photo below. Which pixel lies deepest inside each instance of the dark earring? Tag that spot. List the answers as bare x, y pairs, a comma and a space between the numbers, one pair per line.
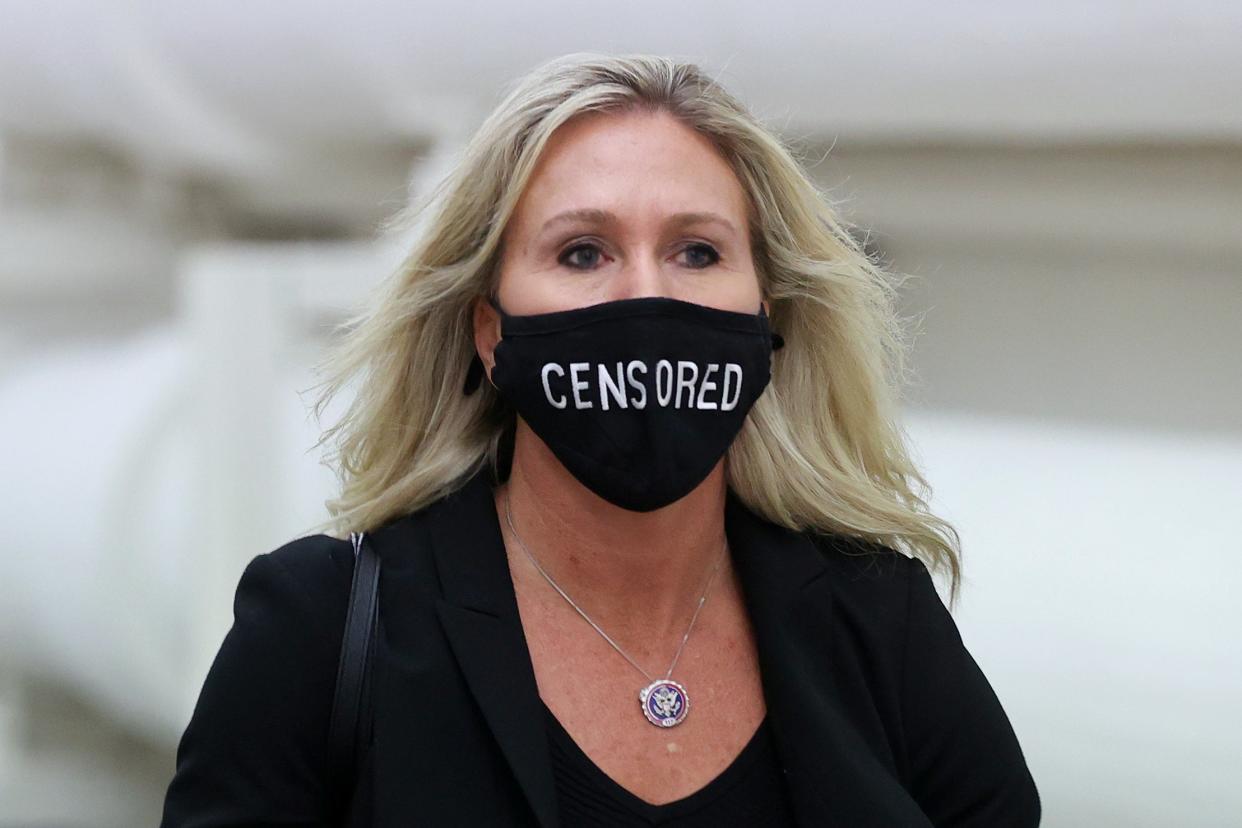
474, 376
504, 451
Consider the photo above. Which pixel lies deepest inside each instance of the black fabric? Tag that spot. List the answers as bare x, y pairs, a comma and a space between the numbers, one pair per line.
878, 713
638, 398
750, 792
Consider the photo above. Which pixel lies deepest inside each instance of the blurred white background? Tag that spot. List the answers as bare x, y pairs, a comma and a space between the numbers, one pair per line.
190, 196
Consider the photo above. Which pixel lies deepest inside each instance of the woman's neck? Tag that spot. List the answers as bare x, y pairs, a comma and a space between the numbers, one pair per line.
634, 573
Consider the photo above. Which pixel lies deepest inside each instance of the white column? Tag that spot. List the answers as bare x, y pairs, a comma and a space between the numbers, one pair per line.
235, 305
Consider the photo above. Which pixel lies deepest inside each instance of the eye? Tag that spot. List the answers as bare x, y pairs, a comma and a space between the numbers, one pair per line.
588, 256
701, 255
583, 256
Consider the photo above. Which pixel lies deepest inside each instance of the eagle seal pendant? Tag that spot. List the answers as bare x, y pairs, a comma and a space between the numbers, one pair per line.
664, 702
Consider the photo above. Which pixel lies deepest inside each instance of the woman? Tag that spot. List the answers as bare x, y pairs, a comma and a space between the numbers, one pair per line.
644, 570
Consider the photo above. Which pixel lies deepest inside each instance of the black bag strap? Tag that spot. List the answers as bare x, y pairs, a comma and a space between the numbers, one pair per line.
345, 729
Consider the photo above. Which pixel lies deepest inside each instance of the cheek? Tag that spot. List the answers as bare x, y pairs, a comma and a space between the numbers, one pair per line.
517, 275
535, 288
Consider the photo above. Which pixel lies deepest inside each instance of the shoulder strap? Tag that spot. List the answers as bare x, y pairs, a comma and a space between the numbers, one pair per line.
351, 676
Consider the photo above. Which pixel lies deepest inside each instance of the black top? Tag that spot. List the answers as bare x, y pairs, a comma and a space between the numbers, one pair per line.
749, 792
879, 713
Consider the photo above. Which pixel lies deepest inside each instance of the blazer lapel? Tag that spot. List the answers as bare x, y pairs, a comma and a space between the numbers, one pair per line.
833, 775
479, 615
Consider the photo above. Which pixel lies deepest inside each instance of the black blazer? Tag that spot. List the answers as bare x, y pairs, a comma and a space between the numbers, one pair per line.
881, 716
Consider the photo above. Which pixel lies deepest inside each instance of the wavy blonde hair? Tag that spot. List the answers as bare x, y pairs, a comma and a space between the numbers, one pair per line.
821, 449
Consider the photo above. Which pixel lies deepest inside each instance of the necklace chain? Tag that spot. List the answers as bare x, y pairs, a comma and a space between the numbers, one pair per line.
711, 579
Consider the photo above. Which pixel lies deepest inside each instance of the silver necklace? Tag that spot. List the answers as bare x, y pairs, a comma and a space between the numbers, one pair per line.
664, 702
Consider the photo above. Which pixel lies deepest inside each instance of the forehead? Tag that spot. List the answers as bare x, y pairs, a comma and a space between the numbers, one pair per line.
649, 162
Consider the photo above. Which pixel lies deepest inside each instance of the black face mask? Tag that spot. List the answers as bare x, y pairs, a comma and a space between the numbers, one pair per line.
638, 398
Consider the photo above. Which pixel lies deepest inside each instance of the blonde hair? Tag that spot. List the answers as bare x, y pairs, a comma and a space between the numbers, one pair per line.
821, 449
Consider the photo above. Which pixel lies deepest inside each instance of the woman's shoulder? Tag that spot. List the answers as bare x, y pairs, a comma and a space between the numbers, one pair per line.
880, 590
949, 713
298, 591
318, 564
868, 570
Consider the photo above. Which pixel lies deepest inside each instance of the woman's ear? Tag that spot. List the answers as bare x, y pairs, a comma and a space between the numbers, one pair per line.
486, 333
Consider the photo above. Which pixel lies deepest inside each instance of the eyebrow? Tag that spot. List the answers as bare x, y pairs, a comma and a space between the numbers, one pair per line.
591, 215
